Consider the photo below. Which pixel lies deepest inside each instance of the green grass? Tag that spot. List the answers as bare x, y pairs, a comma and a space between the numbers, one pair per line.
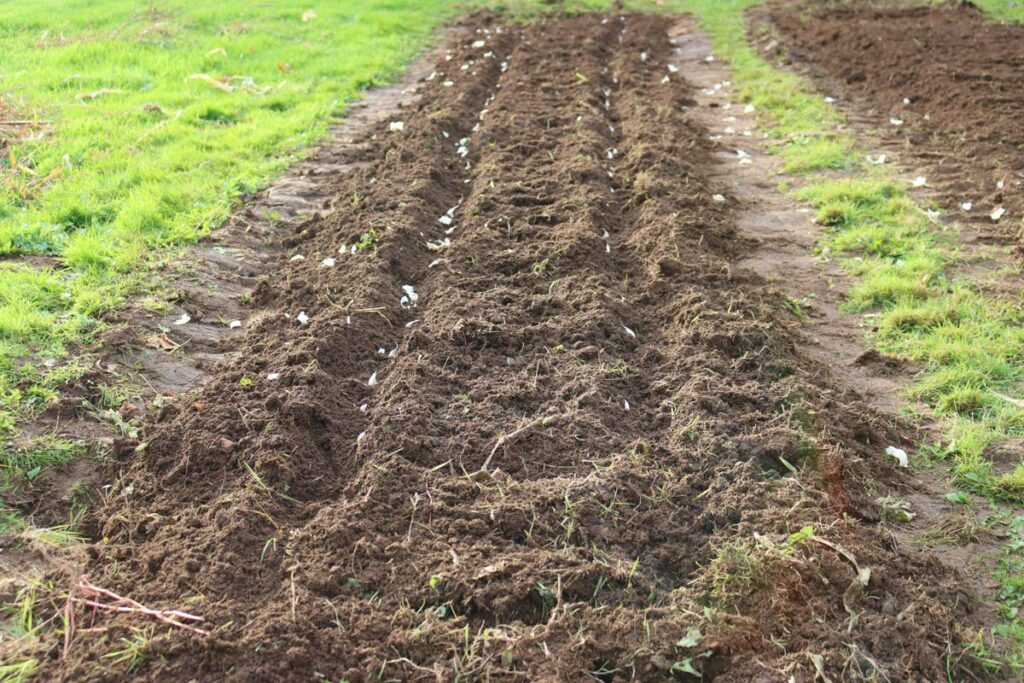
971, 347
1006, 10
29, 462
15, 673
159, 157
813, 153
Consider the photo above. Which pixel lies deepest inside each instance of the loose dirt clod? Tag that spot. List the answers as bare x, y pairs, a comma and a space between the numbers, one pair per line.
488, 509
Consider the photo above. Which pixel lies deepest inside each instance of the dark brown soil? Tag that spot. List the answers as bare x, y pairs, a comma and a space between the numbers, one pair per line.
956, 81
144, 357
569, 457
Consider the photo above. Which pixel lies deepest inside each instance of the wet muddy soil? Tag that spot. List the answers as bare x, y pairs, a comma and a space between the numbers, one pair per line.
943, 83
514, 409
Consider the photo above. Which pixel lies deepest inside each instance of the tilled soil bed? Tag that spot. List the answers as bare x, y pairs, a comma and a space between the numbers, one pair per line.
953, 79
537, 426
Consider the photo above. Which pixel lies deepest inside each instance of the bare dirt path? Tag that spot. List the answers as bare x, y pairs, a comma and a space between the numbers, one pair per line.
520, 412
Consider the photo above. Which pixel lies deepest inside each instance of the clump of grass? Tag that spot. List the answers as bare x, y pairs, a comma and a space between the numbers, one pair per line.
1010, 485
1006, 10
131, 651
18, 671
1010, 576
735, 572
796, 307
814, 153
956, 529
924, 316
29, 462
55, 536
369, 240
740, 568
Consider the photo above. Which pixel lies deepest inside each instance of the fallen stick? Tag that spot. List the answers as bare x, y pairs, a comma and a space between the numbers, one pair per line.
156, 614
90, 595
504, 439
115, 596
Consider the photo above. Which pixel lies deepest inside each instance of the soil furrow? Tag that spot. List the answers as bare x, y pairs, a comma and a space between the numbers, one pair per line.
586, 442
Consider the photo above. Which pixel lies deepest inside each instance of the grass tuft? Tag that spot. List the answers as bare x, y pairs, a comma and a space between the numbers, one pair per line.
1005, 10
814, 153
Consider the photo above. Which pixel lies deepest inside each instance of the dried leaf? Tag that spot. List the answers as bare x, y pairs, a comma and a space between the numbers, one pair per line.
213, 82
160, 342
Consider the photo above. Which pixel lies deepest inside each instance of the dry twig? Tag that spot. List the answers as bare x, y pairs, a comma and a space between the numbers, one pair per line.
90, 595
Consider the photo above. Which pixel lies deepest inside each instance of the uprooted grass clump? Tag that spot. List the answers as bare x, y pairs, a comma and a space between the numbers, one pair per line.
759, 579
